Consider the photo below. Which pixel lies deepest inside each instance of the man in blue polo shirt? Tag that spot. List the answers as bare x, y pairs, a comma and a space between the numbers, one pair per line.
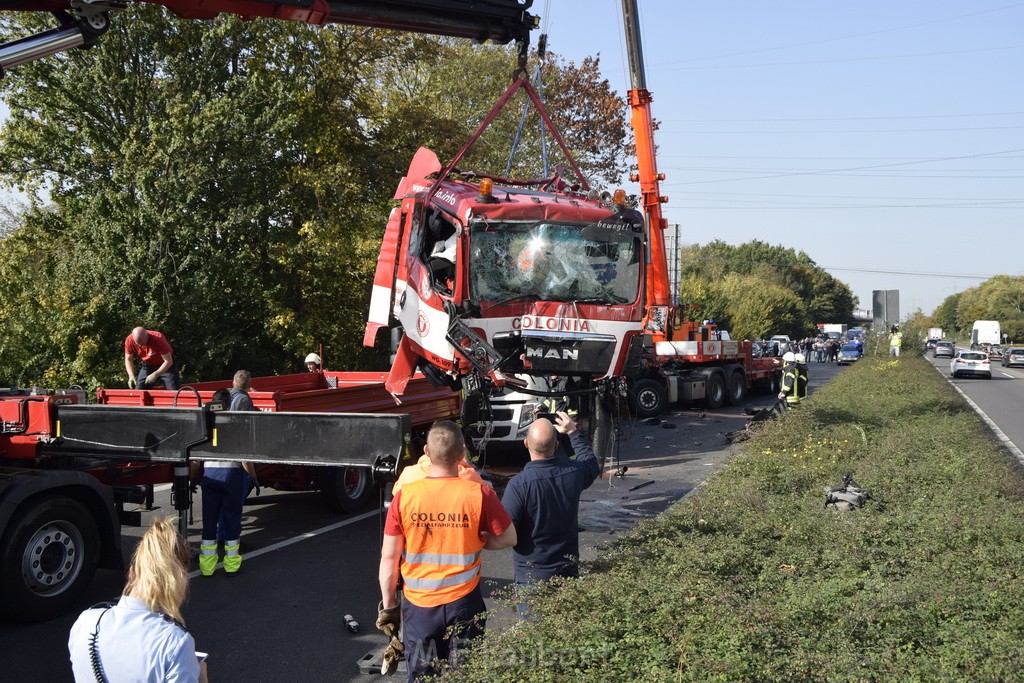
543, 501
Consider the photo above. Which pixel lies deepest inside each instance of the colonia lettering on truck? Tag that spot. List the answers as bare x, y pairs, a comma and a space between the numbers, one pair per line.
551, 324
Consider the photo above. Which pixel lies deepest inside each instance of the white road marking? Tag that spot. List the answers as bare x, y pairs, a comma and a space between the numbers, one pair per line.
1006, 374
301, 537
1003, 438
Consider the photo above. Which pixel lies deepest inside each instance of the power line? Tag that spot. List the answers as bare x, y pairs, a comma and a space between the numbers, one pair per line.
846, 37
840, 60
852, 168
845, 118
875, 271
833, 131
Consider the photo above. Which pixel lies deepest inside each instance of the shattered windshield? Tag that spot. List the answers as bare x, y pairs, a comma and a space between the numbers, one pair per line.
595, 262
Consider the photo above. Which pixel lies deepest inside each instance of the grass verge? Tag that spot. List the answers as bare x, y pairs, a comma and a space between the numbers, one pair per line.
750, 579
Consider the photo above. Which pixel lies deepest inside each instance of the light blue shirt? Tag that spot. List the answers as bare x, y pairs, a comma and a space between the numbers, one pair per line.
134, 644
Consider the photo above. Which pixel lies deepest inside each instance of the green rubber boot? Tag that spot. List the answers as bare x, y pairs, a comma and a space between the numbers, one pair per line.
232, 556
207, 556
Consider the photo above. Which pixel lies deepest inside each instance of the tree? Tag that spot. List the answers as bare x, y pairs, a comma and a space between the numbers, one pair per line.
945, 316
227, 182
456, 84
767, 271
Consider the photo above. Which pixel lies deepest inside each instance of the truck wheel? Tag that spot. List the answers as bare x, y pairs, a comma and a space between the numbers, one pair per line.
648, 398
48, 557
737, 388
714, 393
776, 383
346, 489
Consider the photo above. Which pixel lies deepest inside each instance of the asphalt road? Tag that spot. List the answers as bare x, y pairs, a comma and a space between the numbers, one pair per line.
281, 617
999, 398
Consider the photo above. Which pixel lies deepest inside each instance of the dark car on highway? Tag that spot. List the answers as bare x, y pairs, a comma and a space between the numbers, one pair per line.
848, 353
1013, 356
943, 348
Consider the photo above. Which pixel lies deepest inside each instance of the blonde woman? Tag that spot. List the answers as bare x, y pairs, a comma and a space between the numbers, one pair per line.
142, 637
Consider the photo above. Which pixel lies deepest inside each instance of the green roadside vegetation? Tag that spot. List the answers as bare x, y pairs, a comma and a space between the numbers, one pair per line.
751, 579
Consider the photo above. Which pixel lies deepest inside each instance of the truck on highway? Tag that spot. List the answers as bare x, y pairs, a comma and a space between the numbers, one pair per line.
985, 333
835, 330
680, 359
936, 333
67, 469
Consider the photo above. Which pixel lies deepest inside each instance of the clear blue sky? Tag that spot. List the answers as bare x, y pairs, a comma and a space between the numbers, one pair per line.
884, 139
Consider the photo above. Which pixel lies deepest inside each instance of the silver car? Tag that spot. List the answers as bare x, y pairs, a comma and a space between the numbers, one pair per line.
943, 348
975, 363
1013, 356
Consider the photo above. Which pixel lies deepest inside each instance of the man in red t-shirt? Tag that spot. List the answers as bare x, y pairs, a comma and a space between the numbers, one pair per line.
157, 356
435, 531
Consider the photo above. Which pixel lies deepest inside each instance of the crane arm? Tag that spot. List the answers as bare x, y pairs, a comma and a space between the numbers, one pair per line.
82, 22
659, 292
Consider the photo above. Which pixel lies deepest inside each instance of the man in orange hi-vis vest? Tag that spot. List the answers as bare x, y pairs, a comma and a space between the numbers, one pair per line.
435, 532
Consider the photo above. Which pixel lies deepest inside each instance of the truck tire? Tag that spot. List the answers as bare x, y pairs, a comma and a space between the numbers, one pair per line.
47, 558
737, 387
648, 398
776, 383
347, 489
714, 393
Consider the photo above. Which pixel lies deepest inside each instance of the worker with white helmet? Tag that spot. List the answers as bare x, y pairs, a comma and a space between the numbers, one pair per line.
313, 362
790, 380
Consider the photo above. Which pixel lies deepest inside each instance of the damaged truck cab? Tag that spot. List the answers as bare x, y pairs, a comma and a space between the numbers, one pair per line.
494, 281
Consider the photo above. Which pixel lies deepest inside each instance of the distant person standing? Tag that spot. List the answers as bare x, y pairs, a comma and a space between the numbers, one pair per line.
157, 360
895, 341
224, 490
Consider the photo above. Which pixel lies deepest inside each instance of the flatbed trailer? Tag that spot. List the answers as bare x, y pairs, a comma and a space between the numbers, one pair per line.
67, 469
345, 488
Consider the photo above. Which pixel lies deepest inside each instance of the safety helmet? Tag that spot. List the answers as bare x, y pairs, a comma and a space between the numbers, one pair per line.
789, 357
800, 358
313, 358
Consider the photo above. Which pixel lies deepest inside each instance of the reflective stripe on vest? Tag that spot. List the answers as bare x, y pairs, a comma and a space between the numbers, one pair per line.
790, 382
441, 524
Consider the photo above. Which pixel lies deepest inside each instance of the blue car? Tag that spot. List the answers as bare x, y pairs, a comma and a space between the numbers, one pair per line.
848, 353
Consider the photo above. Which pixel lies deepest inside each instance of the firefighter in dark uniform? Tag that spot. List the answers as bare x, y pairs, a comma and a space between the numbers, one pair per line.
790, 381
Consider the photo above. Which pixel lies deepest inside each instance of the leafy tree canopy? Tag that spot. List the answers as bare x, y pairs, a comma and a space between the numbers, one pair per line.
756, 289
228, 183
998, 298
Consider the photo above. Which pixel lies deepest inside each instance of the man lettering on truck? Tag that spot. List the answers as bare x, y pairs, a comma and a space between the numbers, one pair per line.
435, 531
157, 360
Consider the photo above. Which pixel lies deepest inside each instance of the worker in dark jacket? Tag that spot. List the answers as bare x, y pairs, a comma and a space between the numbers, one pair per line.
543, 501
223, 495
